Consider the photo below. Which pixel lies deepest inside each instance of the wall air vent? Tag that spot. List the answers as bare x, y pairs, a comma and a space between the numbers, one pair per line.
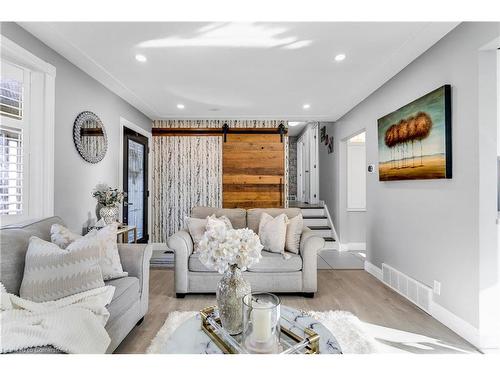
415, 291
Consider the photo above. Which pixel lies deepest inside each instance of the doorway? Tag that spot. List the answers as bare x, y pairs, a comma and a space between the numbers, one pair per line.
307, 165
135, 183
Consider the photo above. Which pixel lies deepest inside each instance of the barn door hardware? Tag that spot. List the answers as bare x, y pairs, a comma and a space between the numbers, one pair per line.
225, 129
281, 130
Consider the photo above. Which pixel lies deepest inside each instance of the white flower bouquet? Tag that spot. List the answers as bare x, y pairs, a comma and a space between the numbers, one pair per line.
221, 247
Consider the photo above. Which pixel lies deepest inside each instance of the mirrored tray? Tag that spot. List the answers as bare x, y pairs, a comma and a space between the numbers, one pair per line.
294, 338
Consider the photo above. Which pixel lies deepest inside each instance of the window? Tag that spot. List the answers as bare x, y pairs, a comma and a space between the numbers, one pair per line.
27, 103
14, 140
356, 173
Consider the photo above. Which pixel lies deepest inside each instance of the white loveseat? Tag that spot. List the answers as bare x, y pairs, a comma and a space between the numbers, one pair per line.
272, 274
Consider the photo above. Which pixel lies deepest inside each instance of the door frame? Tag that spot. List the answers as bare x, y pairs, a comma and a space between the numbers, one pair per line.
308, 159
124, 123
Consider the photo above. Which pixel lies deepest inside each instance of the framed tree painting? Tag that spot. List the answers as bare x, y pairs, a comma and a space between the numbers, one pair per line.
414, 142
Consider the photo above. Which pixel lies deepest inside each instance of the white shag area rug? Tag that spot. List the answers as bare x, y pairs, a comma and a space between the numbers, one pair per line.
346, 327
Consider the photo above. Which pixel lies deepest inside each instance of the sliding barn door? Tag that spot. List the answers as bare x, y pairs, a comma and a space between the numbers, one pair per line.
253, 171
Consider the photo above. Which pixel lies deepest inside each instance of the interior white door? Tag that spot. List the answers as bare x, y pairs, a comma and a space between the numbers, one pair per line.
313, 165
307, 167
300, 171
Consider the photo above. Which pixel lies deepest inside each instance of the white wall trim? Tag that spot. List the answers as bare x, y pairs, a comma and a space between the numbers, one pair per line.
334, 231
438, 312
456, 324
124, 123
17, 54
373, 270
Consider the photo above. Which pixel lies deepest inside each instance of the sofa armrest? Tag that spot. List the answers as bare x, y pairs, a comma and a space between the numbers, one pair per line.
135, 260
182, 245
310, 244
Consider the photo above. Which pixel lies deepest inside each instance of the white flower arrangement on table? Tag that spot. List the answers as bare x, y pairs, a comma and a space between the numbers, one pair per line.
221, 247
107, 196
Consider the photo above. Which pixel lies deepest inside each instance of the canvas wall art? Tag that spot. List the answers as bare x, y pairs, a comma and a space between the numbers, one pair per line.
414, 142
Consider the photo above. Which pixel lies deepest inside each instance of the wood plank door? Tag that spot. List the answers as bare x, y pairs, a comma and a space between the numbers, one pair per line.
253, 167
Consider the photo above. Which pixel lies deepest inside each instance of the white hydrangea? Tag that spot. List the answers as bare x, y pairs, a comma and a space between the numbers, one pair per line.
220, 247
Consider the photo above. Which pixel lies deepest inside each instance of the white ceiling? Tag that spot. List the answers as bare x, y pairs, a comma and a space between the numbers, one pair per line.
234, 70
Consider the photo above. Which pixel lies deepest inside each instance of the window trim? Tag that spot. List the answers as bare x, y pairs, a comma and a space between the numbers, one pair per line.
41, 127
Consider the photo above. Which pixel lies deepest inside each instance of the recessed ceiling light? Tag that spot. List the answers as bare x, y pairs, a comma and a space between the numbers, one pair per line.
306, 106
180, 106
293, 123
340, 57
141, 58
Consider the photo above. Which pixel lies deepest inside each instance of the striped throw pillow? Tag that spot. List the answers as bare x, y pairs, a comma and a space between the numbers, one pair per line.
51, 273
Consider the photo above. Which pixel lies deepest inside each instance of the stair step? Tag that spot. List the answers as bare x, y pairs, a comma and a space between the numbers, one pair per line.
319, 227
329, 239
315, 221
312, 212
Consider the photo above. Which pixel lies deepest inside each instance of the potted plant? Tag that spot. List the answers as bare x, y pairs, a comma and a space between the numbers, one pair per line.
108, 201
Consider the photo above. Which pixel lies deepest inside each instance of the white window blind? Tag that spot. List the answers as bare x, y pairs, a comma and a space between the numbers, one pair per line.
11, 171
13, 140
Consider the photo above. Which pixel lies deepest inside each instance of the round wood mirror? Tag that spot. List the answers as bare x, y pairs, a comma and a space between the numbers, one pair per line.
89, 136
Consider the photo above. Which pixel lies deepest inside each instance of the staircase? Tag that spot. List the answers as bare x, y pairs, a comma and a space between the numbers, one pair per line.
315, 217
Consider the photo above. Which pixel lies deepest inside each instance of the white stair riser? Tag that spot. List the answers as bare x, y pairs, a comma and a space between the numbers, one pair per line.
330, 245
317, 222
313, 212
322, 232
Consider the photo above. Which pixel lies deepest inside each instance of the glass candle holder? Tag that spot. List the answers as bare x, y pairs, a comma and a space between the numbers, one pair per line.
261, 323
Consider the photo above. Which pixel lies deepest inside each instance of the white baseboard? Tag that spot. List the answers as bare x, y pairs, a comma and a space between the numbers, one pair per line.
456, 324
355, 246
373, 270
438, 312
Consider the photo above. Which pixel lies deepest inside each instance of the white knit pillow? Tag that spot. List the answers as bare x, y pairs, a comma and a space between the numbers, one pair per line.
109, 258
62, 236
197, 227
272, 232
51, 273
293, 233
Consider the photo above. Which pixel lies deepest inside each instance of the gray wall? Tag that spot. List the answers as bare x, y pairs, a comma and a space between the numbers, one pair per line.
76, 92
350, 226
430, 229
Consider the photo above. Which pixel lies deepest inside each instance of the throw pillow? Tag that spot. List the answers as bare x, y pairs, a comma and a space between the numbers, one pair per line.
62, 236
109, 258
197, 227
51, 273
293, 233
272, 232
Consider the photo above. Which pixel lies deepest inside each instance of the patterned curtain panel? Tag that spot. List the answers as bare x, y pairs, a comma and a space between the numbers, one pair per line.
187, 172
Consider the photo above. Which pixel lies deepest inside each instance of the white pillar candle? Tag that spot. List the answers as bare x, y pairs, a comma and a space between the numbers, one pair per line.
262, 322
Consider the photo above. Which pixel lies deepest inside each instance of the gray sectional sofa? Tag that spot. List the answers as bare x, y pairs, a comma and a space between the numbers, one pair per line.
272, 274
130, 300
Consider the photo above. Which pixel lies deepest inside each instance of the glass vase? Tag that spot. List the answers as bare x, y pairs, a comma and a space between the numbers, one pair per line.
109, 214
231, 289
261, 323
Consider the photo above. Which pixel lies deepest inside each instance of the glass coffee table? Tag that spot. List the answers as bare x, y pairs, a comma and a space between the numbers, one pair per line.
189, 337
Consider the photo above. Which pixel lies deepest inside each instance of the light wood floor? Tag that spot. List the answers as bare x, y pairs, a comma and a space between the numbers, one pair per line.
396, 323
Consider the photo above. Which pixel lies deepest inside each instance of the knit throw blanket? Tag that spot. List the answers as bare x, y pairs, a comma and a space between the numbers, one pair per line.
73, 324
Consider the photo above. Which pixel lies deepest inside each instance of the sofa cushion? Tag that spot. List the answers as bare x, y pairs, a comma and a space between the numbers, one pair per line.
14, 241
253, 215
126, 294
237, 216
270, 262
274, 262
51, 273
